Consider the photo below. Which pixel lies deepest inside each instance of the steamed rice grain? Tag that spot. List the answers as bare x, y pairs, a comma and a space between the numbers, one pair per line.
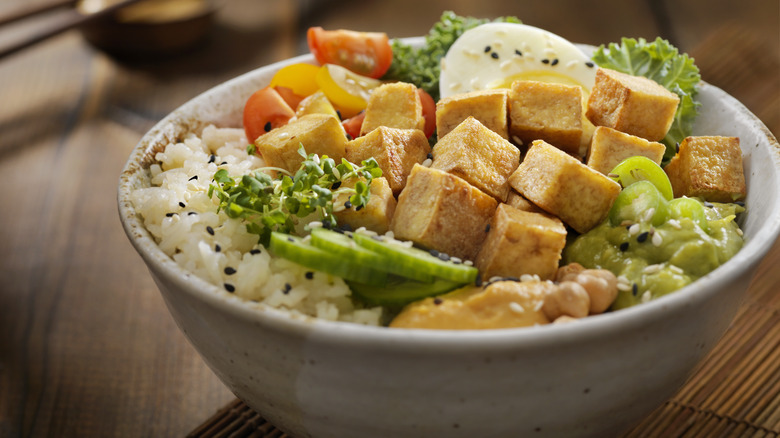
178, 213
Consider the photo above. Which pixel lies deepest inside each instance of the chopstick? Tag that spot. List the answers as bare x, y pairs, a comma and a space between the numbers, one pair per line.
67, 22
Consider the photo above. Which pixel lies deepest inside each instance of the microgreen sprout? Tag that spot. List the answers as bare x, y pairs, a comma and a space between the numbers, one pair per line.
269, 204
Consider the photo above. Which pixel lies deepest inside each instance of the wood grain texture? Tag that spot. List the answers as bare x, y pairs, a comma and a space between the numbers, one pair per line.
87, 346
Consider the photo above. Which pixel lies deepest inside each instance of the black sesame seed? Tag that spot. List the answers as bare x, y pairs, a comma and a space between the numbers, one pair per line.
326, 223
634, 289
348, 204
478, 280
545, 61
193, 178
358, 208
287, 288
335, 185
494, 55
212, 158
554, 62
511, 279
192, 213
708, 204
349, 137
229, 271
487, 228
740, 203
429, 156
437, 301
309, 275
255, 251
169, 214
223, 163
589, 64
209, 230
624, 246
434, 253
338, 113
518, 53
487, 49
217, 248
642, 237
182, 205
677, 147
267, 127
290, 239
229, 287
444, 256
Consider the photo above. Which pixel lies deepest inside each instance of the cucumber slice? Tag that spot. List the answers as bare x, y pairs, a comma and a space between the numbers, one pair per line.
345, 246
410, 259
399, 292
636, 202
293, 248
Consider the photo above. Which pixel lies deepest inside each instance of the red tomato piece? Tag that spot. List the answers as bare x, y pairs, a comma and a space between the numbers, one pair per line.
263, 111
353, 124
289, 96
365, 53
429, 111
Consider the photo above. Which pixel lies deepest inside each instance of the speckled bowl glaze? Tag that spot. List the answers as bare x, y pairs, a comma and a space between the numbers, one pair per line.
597, 377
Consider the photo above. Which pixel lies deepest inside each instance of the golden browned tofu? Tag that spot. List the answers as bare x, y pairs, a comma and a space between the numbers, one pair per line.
375, 216
546, 111
395, 150
521, 242
487, 106
441, 211
709, 167
518, 201
478, 155
395, 105
565, 187
316, 103
318, 133
501, 304
609, 147
632, 104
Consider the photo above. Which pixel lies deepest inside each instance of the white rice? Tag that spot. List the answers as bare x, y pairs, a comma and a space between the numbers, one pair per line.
177, 211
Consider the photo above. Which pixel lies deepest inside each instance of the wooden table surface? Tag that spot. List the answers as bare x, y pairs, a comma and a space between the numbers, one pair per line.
87, 347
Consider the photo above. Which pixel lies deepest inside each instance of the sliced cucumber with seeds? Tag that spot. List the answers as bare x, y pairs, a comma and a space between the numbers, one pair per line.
295, 249
347, 247
411, 259
400, 291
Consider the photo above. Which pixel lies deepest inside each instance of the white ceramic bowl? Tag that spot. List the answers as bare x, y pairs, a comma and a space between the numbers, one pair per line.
316, 378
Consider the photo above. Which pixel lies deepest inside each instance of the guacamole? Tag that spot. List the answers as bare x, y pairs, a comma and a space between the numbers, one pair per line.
657, 260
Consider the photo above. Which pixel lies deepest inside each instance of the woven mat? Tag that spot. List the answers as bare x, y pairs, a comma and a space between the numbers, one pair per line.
735, 391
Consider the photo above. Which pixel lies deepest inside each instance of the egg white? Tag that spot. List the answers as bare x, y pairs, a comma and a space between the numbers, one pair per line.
494, 55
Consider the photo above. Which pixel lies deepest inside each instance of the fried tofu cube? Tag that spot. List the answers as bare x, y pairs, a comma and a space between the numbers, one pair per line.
488, 106
478, 155
395, 105
376, 215
609, 147
520, 242
546, 111
518, 201
316, 103
441, 211
318, 133
395, 150
632, 104
709, 167
565, 187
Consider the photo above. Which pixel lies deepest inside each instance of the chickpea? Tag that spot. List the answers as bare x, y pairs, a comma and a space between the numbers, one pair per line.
568, 272
569, 298
601, 286
564, 319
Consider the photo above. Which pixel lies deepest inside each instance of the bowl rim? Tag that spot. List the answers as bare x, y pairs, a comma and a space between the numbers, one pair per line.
340, 332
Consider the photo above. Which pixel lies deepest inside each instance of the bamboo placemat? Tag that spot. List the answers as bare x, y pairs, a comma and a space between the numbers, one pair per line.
735, 391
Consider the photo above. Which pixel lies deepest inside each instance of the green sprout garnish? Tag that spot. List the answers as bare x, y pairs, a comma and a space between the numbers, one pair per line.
269, 204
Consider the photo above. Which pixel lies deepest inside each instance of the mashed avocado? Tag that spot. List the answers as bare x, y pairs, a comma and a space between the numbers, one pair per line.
657, 260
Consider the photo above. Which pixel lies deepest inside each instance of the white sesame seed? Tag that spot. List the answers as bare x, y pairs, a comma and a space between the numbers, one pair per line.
653, 269
389, 234
674, 223
495, 278
306, 238
456, 260
633, 230
538, 305
283, 135
315, 224
646, 296
657, 239
740, 232
624, 286
455, 86
516, 307
649, 214
427, 162
623, 279
468, 263
526, 277
676, 269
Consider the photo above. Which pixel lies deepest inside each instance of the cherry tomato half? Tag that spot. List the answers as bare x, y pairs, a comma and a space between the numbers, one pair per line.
365, 53
263, 111
429, 111
353, 124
